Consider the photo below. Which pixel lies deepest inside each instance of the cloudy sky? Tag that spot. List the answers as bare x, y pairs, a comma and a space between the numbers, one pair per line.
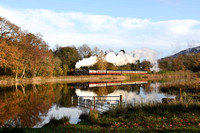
166, 26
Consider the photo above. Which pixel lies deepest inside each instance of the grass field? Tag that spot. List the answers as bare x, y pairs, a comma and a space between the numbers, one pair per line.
161, 117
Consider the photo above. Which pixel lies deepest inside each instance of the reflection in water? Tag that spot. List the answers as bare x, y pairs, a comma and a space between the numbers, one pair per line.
34, 105
58, 113
131, 97
19, 106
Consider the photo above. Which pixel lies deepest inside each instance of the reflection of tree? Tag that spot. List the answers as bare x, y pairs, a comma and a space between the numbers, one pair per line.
26, 108
174, 87
102, 91
184, 92
66, 92
148, 88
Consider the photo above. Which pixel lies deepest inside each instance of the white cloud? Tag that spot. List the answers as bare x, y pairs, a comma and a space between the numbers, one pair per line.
132, 23
106, 32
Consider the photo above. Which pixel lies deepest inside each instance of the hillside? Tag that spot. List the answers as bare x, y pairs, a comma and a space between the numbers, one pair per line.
187, 51
190, 61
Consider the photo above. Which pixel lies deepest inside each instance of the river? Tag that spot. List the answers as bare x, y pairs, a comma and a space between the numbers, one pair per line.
33, 105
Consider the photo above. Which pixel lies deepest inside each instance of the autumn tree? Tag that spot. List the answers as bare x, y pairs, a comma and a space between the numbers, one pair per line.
10, 58
10, 54
8, 32
111, 66
182, 62
146, 65
178, 63
192, 62
101, 62
21, 51
166, 64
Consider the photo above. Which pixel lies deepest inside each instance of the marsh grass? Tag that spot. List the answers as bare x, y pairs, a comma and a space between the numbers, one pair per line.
93, 115
172, 75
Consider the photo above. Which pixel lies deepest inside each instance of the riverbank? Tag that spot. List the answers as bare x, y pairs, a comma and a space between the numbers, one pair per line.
67, 79
162, 117
101, 78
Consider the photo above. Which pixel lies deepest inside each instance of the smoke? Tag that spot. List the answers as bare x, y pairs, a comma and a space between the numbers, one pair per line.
124, 58
149, 55
86, 62
121, 58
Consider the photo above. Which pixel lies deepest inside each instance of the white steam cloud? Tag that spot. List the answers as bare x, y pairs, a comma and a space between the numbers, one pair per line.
86, 62
124, 58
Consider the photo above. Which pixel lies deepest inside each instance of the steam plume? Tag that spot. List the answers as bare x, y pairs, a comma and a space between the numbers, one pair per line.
124, 58
86, 62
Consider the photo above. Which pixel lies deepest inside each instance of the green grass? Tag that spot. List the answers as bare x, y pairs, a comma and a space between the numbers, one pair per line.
163, 117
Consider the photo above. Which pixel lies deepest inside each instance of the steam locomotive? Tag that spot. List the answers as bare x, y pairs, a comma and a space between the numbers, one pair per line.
106, 72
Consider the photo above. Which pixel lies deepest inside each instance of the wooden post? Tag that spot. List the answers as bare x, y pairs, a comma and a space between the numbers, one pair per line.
120, 100
78, 101
94, 103
72, 100
181, 99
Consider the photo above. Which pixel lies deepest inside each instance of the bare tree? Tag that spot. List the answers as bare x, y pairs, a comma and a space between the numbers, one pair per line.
96, 51
85, 51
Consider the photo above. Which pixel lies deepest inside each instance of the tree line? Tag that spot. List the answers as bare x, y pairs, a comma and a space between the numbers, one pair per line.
25, 55
182, 62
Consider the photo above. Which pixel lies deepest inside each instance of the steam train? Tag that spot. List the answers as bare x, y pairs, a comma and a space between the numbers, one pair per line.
106, 72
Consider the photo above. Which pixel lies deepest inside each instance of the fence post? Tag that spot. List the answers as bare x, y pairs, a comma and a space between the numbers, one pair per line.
94, 102
180, 97
120, 100
78, 101
72, 100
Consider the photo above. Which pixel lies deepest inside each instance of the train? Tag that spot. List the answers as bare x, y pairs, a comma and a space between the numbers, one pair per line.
106, 72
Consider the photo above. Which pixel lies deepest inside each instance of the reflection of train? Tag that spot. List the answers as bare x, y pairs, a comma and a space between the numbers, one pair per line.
105, 84
106, 72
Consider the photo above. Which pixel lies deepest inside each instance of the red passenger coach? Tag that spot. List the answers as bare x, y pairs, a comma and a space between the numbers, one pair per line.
114, 72
106, 72
92, 72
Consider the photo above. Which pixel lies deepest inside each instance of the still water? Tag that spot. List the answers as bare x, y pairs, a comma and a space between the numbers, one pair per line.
34, 105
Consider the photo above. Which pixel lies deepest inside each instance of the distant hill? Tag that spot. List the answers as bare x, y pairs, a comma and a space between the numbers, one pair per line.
187, 51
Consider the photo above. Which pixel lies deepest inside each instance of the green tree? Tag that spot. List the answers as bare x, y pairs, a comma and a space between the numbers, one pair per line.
68, 55
65, 69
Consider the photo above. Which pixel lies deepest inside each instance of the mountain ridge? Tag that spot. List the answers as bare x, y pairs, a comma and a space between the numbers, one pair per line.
185, 52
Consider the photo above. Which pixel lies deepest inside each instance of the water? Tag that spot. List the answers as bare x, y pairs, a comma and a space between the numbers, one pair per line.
34, 105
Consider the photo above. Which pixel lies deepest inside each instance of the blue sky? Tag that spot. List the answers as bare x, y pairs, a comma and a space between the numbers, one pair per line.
153, 9
166, 26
